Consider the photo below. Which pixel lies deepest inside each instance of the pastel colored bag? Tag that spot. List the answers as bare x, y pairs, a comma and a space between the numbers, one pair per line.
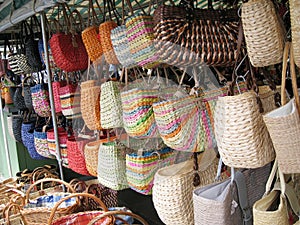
40, 100
41, 143
141, 168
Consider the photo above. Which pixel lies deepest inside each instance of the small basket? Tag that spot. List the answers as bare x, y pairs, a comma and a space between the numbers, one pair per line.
104, 32
140, 37
121, 46
70, 101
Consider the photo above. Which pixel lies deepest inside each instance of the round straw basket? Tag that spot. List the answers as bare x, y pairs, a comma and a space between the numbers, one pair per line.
111, 105
241, 134
90, 105
104, 32
121, 46
141, 36
92, 42
264, 32
295, 26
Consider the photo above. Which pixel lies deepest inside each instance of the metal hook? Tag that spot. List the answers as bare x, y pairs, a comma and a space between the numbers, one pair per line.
239, 65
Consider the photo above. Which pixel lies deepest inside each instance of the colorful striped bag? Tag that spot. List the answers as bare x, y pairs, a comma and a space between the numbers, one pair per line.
70, 101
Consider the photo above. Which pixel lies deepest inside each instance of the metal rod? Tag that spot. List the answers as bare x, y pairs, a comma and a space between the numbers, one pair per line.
53, 114
5, 139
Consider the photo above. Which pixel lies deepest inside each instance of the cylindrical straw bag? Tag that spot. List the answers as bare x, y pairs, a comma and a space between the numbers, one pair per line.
173, 188
41, 143
111, 105
284, 123
242, 136
264, 32
112, 165
295, 28
140, 36
70, 101
90, 35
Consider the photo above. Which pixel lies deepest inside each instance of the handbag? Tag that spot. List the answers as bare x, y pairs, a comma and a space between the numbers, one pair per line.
27, 83
283, 123
68, 50
40, 99
141, 167
187, 36
264, 32
272, 208
16, 126
40, 139
18, 99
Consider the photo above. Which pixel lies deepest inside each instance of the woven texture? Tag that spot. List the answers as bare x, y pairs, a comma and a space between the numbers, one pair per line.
112, 166
140, 36
241, 134
263, 32
138, 116
27, 97
173, 190
90, 104
56, 99
76, 160
186, 37
28, 140
70, 101
111, 105
104, 32
41, 143
16, 126
18, 99
180, 124
141, 168
32, 53
62, 138
92, 42
295, 27
121, 46
40, 100
68, 52
266, 96
13, 65
284, 128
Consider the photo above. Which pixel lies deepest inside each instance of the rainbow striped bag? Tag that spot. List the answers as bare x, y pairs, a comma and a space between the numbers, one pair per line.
141, 168
70, 101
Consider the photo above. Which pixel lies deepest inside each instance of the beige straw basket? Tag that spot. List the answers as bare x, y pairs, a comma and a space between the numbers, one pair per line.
267, 97
295, 26
241, 134
264, 32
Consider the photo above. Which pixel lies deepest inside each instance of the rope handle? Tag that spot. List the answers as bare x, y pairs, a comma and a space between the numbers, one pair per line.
69, 187
7, 211
111, 213
54, 209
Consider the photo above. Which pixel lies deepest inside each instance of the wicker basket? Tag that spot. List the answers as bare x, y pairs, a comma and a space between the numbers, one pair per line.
242, 136
104, 32
70, 101
264, 32
92, 42
295, 26
41, 143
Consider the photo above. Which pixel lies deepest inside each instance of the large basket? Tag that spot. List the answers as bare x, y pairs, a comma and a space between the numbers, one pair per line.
264, 34
238, 118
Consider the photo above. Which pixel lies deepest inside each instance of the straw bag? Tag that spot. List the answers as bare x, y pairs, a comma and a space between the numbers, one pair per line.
238, 118
18, 99
111, 105
62, 137
284, 123
91, 150
295, 27
68, 50
16, 127
40, 141
264, 32
272, 208
90, 34
187, 36
27, 83
141, 168
40, 99
173, 188
56, 83
111, 170
70, 100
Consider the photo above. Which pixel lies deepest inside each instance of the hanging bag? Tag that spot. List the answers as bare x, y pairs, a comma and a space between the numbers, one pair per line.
295, 27
27, 83
284, 123
40, 140
18, 99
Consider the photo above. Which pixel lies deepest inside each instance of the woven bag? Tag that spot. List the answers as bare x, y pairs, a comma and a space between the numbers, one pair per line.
90, 34
62, 138
187, 36
295, 27
55, 90
90, 104
28, 140
284, 123
264, 34
16, 126
18, 99
267, 95
105, 39
68, 50
140, 36
238, 118
41, 143
141, 168
111, 105
173, 188
111, 170
70, 101
91, 150
27, 83
40, 100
